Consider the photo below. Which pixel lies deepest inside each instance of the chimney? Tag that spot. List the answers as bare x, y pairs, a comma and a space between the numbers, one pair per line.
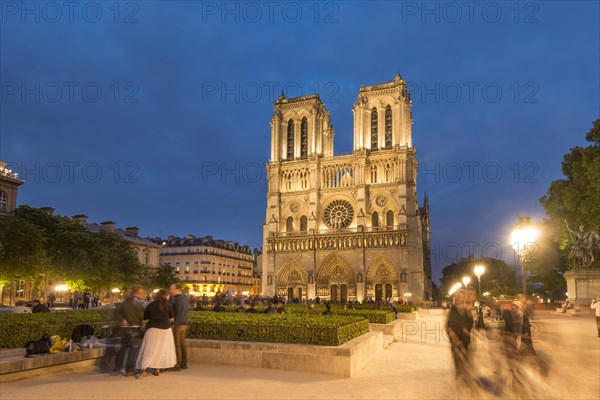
108, 226
81, 218
132, 231
47, 210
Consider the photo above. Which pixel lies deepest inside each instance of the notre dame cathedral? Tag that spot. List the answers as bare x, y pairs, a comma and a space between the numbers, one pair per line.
345, 227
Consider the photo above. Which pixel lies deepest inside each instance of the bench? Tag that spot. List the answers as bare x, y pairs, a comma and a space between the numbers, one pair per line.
14, 365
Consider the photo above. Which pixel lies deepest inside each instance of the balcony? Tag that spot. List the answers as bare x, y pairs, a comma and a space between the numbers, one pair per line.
358, 229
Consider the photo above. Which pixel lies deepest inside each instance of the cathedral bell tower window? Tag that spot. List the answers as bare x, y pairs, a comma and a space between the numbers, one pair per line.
304, 138
388, 127
290, 140
374, 132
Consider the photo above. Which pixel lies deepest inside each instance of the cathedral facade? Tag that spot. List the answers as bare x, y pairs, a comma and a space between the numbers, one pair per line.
345, 227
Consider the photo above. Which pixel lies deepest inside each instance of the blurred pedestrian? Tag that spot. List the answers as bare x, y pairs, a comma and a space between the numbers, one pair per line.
458, 328
596, 305
129, 315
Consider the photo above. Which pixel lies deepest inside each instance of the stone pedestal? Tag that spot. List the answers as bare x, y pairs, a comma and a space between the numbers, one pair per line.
583, 285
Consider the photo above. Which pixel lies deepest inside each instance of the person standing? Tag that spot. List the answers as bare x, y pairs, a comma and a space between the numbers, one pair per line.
158, 347
86, 299
180, 325
458, 328
596, 305
129, 315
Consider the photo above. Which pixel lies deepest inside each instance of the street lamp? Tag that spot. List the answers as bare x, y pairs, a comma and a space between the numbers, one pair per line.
479, 270
521, 238
466, 280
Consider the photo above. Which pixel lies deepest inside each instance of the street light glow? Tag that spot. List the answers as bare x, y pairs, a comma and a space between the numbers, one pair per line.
479, 270
61, 288
466, 280
520, 237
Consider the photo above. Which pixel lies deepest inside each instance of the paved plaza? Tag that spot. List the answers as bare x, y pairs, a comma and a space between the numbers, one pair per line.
416, 367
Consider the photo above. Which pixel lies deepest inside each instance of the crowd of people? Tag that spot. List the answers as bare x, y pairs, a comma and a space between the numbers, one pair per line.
510, 346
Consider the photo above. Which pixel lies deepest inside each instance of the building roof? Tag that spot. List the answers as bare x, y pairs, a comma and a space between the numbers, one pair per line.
191, 240
97, 228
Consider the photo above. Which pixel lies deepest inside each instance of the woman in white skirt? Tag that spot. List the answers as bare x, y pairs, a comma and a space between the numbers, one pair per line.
158, 348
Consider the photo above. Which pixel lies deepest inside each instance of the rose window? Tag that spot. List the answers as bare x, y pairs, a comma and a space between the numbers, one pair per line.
338, 214
294, 207
381, 201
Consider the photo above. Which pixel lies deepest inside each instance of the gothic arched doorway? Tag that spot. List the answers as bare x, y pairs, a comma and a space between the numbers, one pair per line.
382, 280
291, 281
336, 280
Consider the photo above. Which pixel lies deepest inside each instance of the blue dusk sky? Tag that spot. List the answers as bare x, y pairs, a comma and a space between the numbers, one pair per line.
156, 114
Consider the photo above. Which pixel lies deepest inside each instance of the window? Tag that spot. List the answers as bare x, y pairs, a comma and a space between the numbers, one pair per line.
375, 219
389, 217
388, 127
3, 201
290, 140
20, 289
303, 223
304, 138
373, 173
187, 269
289, 224
374, 132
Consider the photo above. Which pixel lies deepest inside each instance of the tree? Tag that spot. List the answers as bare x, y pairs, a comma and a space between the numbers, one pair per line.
161, 277
546, 264
499, 277
33, 242
575, 200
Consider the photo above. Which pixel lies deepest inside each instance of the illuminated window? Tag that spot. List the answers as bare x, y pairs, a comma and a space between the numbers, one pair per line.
290, 140
20, 288
374, 132
388, 127
304, 138
3, 201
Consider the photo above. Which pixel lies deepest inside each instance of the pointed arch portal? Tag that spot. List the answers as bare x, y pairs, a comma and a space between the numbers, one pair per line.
336, 280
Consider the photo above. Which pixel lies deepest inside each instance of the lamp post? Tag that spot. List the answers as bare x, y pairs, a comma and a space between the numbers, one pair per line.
522, 237
466, 280
479, 270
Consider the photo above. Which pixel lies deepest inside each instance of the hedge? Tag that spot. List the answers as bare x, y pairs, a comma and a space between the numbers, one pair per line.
18, 329
374, 316
275, 328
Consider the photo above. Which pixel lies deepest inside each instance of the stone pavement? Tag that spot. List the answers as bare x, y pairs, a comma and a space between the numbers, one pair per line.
419, 366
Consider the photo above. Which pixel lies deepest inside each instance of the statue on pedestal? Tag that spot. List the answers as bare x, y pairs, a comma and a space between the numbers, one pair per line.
586, 248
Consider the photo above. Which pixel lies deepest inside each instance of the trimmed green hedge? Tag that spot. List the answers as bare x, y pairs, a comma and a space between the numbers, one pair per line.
274, 328
407, 309
18, 329
374, 316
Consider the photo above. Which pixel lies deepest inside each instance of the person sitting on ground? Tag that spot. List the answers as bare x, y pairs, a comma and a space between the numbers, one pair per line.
270, 309
252, 309
311, 309
328, 309
38, 307
279, 308
565, 306
243, 308
20, 308
218, 307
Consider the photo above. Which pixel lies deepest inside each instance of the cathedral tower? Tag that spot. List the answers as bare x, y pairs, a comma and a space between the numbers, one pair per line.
345, 227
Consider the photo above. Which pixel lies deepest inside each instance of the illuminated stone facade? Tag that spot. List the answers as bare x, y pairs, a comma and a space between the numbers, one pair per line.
345, 227
9, 186
210, 266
